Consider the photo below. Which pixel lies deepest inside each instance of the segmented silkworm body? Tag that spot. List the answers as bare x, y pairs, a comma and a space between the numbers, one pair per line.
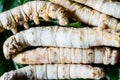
88, 15
55, 71
29, 11
68, 55
60, 37
106, 6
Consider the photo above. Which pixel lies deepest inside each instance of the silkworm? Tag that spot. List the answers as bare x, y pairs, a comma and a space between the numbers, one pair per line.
31, 11
55, 71
89, 16
106, 6
60, 37
97, 55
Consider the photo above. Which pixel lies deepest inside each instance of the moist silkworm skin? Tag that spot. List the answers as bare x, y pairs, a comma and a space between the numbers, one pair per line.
31, 11
55, 71
25, 73
60, 37
99, 55
106, 6
89, 16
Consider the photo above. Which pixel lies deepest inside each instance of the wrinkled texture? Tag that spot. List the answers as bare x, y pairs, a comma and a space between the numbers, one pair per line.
31, 11
25, 73
13, 3
60, 37
89, 16
53, 55
106, 6
55, 71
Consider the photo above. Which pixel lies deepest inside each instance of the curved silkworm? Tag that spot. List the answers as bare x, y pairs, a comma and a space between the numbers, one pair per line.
55, 71
31, 11
60, 37
68, 55
106, 6
89, 16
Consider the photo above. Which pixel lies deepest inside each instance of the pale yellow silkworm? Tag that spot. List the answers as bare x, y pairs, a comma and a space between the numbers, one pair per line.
97, 55
55, 71
109, 7
31, 11
60, 37
89, 16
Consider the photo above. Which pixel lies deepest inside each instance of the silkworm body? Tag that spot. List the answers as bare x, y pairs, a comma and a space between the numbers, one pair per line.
106, 6
88, 15
55, 71
68, 55
60, 37
31, 11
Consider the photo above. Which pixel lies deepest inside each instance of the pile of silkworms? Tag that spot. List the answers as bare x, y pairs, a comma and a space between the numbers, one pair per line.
62, 52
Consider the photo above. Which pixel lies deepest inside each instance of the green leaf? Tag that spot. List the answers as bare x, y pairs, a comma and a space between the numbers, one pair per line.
75, 24
8, 4
112, 72
18, 66
5, 65
1, 5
